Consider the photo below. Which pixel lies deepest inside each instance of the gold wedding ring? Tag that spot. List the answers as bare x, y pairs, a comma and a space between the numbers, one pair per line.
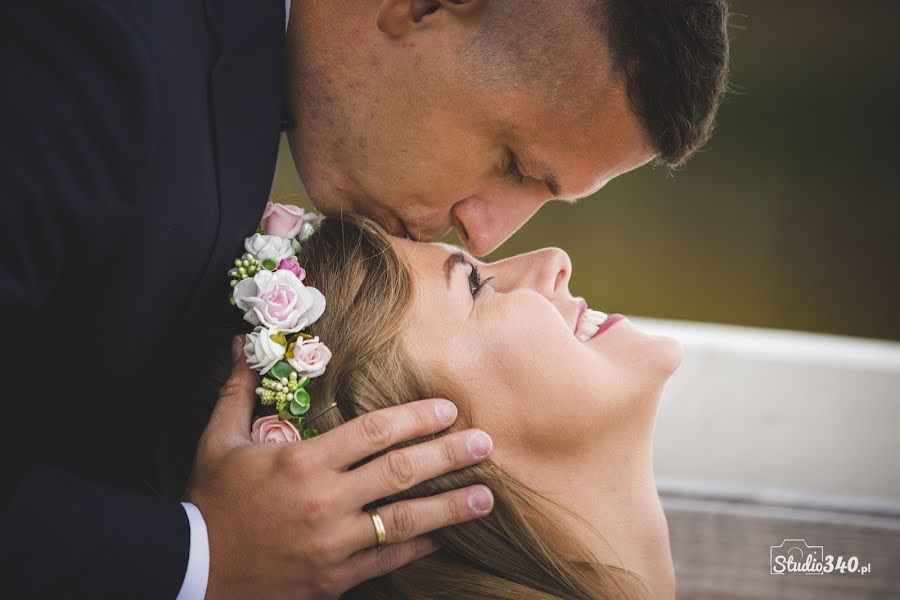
380, 532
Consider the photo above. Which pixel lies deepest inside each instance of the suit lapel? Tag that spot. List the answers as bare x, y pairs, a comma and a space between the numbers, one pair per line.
245, 92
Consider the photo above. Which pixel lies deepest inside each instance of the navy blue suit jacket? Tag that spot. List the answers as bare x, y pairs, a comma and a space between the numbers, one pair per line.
137, 147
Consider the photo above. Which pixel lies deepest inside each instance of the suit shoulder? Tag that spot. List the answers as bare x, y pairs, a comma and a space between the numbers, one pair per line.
86, 54
80, 129
78, 95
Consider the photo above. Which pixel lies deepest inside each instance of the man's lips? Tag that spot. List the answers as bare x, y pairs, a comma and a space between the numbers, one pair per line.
418, 233
399, 229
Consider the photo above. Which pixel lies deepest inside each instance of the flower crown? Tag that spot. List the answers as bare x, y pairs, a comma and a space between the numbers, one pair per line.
267, 284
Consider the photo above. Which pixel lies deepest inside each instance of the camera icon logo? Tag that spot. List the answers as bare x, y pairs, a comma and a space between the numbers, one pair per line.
796, 556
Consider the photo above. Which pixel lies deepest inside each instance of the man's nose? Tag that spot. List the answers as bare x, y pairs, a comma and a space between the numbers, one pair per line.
483, 223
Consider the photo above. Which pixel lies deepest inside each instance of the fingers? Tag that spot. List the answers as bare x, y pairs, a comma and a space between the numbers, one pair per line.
410, 519
381, 429
401, 469
229, 423
373, 563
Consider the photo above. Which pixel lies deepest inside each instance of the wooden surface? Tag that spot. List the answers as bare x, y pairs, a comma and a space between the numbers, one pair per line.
721, 549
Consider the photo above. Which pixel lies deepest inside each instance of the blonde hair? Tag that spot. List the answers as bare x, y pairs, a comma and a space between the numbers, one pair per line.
518, 550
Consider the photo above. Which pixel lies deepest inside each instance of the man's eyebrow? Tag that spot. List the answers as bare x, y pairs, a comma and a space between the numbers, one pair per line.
457, 258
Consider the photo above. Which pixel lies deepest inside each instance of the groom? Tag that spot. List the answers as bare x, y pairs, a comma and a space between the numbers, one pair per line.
137, 152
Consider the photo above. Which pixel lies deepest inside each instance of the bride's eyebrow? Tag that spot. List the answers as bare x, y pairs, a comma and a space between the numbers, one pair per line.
457, 258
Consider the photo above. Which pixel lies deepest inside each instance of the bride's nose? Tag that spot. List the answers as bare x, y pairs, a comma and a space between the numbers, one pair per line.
545, 271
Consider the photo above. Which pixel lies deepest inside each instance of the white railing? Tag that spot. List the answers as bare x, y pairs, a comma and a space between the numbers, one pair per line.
811, 419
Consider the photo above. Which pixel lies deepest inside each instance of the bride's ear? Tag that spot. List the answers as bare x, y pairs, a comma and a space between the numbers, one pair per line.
396, 17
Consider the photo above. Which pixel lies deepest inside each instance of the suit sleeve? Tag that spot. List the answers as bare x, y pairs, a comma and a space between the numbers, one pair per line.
78, 125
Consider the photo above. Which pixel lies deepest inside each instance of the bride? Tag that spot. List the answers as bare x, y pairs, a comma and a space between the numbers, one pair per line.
568, 395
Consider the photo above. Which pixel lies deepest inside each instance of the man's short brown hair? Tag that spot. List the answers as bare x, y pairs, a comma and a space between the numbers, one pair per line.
671, 54
674, 56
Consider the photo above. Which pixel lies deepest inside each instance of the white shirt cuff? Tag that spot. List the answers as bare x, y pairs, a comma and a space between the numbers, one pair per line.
197, 574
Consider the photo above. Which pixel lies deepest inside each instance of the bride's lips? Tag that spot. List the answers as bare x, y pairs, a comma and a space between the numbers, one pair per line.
590, 323
582, 306
609, 322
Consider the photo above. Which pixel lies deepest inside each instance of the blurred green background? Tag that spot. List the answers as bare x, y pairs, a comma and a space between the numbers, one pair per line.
790, 216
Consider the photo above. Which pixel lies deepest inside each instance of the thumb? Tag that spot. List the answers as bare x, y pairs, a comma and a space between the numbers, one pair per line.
229, 424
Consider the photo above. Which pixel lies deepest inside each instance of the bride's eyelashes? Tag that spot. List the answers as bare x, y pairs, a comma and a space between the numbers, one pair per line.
475, 281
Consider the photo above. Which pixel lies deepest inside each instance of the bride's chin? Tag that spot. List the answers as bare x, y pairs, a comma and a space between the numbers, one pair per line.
669, 354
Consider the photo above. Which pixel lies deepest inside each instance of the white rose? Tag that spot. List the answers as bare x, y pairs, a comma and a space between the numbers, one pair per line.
279, 300
310, 357
268, 246
262, 351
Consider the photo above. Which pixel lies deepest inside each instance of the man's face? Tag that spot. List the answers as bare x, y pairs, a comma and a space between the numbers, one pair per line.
399, 129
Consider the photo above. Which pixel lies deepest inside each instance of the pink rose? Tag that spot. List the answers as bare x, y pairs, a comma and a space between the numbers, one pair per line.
278, 300
282, 220
310, 357
272, 430
291, 264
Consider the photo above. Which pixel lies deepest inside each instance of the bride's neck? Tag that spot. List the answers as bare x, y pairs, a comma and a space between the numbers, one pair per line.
609, 484
609, 480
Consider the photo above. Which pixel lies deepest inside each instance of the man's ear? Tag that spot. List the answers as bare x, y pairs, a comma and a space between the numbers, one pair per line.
396, 17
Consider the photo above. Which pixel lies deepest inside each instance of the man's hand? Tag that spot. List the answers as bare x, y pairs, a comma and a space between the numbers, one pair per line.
286, 519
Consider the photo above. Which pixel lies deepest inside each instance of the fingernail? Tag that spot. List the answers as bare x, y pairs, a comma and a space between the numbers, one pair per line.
481, 500
236, 349
446, 411
479, 444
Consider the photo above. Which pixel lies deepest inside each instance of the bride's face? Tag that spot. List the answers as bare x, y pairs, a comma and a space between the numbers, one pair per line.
509, 349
